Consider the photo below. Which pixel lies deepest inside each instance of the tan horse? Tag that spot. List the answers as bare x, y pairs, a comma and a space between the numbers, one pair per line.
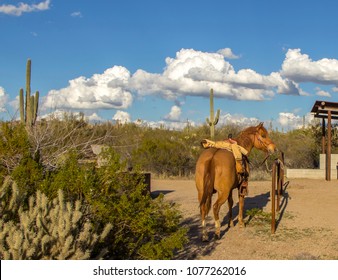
216, 172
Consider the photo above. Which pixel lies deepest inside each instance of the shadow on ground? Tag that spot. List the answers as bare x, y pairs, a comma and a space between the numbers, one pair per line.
196, 248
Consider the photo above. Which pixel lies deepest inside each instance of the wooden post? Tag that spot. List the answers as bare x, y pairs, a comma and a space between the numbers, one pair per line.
328, 149
278, 185
323, 135
273, 200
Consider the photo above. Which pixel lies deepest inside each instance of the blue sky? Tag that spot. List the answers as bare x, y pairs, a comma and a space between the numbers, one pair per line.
157, 60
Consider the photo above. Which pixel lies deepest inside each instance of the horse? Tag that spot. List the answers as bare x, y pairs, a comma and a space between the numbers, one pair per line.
216, 173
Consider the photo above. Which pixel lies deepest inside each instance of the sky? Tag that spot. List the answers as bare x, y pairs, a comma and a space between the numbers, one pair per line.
154, 62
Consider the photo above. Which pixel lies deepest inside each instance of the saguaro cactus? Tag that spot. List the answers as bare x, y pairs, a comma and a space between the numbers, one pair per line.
28, 109
213, 119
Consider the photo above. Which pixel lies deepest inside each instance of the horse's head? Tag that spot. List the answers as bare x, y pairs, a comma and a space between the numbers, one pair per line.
262, 140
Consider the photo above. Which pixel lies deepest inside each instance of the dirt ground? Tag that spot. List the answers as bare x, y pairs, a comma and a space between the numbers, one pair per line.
307, 225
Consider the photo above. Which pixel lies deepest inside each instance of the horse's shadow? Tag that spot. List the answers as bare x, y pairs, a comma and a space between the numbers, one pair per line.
196, 247
259, 201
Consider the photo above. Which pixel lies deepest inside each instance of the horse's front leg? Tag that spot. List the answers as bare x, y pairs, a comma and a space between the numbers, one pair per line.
222, 197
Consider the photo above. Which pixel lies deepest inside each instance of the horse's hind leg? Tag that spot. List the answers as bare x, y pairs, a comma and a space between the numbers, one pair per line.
204, 226
222, 197
241, 210
230, 204
204, 212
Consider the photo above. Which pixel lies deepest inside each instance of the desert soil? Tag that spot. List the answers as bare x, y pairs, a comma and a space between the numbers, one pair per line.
307, 226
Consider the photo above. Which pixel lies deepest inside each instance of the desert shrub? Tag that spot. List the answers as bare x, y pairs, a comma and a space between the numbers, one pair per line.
300, 147
75, 179
47, 229
165, 153
28, 175
142, 226
14, 145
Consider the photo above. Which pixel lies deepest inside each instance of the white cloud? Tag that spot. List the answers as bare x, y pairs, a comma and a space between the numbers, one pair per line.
227, 53
193, 73
293, 121
190, 73
301, 68
3, 99
237, 119
323, 93
174, 115
61, 114
76, 14
101, 91
122, 117
24, 8
94, 118
167, 124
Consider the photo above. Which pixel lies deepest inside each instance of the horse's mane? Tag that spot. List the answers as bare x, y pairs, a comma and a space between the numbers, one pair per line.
244, 138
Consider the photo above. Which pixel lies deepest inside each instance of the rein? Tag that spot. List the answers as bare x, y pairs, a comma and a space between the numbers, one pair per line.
259, 139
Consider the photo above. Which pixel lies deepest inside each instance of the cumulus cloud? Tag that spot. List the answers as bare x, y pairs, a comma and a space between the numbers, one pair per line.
189, 73
174, 115
101, 91
227, 53
168, 124
94, 118
24, 8
238, 119
323, 93
122, 117
293, 121
301, 68
3, 99
193, 73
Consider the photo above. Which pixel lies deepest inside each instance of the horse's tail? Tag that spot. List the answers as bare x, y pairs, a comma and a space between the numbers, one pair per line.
208, 187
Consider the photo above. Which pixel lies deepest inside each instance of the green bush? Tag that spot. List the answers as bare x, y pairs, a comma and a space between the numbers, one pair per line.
14, 145
141, 225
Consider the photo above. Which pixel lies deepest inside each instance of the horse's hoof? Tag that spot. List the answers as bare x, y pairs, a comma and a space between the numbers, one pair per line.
217, 236
242, 225
231, 224
205, 239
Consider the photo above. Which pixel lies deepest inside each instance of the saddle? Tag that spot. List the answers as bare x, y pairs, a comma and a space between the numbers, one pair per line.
240, 155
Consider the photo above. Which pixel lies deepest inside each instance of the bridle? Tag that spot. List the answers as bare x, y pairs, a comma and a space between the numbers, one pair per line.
258, 138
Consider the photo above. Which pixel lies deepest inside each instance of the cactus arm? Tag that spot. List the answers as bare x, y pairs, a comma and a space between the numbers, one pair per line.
217, 117
22, 108
213, 120
35, 106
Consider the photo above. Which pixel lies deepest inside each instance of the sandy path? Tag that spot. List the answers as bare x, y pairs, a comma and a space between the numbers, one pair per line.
308, 228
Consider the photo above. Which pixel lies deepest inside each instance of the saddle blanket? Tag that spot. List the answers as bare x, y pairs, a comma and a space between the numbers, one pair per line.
236, 149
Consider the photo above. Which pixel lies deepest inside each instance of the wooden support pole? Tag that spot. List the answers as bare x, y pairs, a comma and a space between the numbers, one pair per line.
279, 187
273, 199
328, 149
323, 135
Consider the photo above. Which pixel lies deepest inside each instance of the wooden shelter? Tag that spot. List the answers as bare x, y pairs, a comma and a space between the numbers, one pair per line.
326, 110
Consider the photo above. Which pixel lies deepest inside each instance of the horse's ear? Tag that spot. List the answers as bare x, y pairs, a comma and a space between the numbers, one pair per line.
260, 125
